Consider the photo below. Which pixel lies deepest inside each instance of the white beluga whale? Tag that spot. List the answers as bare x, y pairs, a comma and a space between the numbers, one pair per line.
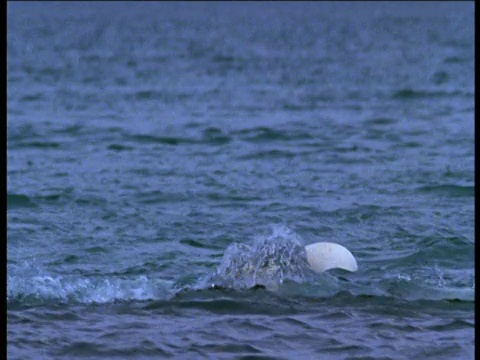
323, 256
269, 262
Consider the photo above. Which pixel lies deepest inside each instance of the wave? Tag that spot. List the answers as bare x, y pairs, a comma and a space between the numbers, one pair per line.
274, 264
19, 201
449, 190
47, 289
412, 94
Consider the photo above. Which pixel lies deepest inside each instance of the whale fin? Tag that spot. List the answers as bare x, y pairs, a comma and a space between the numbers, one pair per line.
323, 256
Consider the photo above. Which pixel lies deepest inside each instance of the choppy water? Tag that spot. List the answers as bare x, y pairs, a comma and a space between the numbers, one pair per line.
158, 155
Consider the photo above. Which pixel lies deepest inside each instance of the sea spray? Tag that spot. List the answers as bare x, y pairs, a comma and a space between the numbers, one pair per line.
267, 262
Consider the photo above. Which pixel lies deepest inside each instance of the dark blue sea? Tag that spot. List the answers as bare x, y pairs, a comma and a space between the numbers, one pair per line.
158, 152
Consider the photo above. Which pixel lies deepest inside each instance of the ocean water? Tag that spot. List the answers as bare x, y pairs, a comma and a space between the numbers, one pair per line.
157, 153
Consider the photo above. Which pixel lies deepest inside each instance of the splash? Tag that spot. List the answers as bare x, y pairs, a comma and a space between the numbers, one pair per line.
74, 289
429, 283
268, 262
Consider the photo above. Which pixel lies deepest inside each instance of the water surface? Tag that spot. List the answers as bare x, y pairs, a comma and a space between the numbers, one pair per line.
158, 153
